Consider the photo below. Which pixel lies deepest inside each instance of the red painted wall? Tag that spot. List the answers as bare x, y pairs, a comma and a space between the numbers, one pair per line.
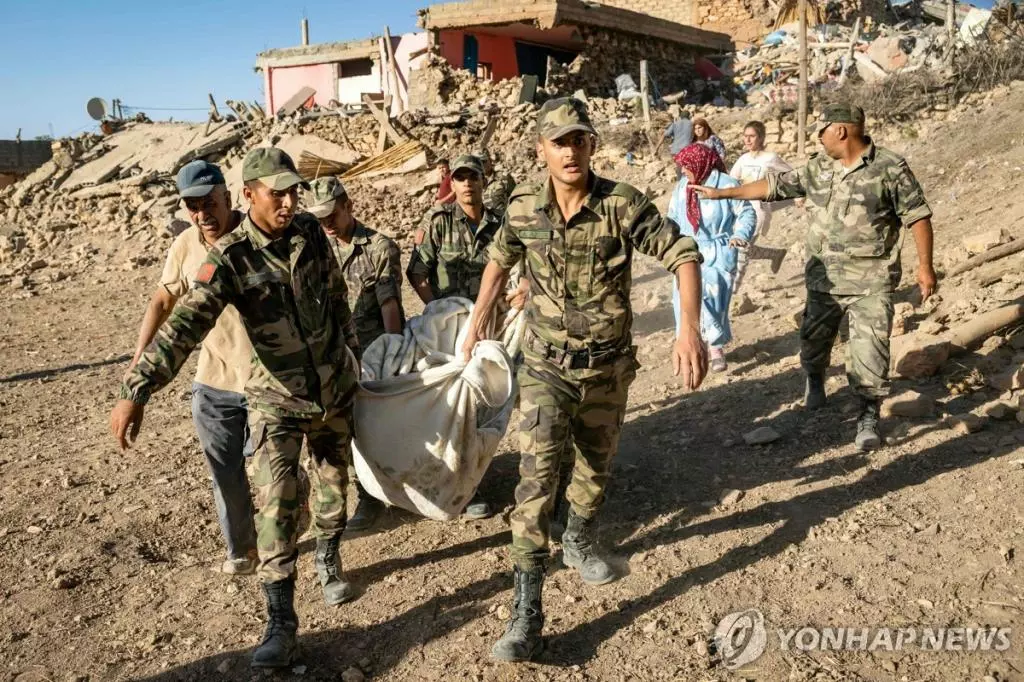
498, 51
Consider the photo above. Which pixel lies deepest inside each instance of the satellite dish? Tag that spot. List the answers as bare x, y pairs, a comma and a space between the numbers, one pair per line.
96, 108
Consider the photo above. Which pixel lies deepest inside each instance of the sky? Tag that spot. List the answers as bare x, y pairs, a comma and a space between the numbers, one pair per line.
161, 57
57, 54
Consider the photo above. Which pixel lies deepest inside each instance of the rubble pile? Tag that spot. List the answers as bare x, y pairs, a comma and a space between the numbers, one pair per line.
769, 73
912, 61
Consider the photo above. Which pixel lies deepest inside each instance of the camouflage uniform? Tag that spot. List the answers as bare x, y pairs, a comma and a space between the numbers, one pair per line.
853, 248
578, 359
450, 253
291, 296
497, 193
373, 275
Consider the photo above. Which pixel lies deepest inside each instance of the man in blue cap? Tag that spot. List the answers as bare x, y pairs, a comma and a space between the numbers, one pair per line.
218, 402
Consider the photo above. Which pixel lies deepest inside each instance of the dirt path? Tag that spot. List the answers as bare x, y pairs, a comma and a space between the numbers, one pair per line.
105, 568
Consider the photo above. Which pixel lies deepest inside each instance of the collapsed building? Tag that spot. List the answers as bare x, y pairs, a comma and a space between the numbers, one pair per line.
588, 44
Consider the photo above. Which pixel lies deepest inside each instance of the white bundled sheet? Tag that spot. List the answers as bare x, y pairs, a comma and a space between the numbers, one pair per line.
426, 423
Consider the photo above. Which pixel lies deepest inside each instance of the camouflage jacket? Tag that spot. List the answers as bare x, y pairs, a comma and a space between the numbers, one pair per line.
497, 192
580, 272
291, 296
372, 267
450, 254
854, 238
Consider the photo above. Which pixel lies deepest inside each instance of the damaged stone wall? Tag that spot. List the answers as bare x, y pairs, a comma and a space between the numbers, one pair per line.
745, 20
679, 11
609, 54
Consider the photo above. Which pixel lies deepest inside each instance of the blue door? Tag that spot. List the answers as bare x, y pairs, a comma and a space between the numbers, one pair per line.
470, 53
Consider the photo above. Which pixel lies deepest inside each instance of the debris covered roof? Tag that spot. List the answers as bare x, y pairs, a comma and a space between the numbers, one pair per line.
319, 53
547, 14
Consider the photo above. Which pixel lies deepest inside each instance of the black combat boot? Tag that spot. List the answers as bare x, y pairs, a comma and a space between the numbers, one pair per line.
814, 392
478, 508
368, 510
328, 569
867, 425
579, 551
522, 640
279, 645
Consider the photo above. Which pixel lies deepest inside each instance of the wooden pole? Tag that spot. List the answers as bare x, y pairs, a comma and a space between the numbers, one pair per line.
950, 21
801, 135
393, 72
849, 55
643, 92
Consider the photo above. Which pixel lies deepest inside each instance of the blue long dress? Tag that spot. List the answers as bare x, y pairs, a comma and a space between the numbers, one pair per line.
721, 220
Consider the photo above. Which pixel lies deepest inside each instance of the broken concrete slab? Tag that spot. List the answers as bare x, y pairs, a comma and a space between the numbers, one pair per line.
293, 103
160, 148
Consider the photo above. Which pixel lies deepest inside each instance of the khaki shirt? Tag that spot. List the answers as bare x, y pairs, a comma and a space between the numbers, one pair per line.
854, 239
291, 296
372, 267
580, 271
225, 355
450, 254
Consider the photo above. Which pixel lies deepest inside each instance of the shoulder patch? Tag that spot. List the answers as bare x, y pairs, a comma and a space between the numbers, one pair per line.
419, 236
206, 272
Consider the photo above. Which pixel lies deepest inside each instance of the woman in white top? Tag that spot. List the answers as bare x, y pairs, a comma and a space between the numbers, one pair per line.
751, 167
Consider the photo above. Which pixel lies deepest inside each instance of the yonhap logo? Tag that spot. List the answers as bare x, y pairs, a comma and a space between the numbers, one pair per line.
741, 638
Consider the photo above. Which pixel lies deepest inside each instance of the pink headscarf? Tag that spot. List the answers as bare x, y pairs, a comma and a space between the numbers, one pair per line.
700, 160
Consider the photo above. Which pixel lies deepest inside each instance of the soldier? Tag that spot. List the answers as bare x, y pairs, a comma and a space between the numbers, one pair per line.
576, 233
860, 194
218, 403
451, 252
278, 271
499, 187
372, 267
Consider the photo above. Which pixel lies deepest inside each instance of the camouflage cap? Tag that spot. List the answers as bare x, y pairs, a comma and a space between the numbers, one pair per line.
273, 168
841, 113
323, 194
561, 116
470, 162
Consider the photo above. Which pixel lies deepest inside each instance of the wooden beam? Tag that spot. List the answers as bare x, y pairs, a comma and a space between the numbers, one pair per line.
396, 84
492, 124
644, 96
384, 121
849, 55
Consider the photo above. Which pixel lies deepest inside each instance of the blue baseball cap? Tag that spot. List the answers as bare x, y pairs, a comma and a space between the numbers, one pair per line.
198, 178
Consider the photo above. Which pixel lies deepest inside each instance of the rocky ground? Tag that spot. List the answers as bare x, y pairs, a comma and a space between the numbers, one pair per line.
106, 562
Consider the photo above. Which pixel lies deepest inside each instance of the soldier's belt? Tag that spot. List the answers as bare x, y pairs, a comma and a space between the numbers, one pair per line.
587, 358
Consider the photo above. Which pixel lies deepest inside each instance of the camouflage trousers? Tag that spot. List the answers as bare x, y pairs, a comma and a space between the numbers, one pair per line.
564, 411
277, 443
867, 353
